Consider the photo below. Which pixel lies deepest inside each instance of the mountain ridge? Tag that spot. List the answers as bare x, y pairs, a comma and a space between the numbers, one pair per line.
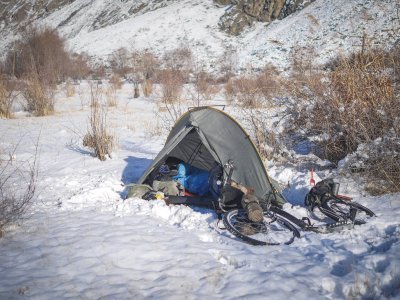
101, 27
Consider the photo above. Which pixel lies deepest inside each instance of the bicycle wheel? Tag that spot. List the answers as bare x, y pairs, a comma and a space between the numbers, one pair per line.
274, 230
340, 210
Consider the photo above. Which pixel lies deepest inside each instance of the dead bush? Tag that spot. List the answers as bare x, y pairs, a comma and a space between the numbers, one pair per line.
8, 95
171, 82
147, 87
144, 64
179, 59
115, 82
382, 168
227, 64
152, 128
355, 102
136, 92
204, 87
120, 62
258, 123
38, 97
17, 188
78, 67
255, 91
171, 105
98, 137
40, 52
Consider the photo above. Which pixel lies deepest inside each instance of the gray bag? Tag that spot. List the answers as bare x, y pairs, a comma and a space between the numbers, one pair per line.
171, 188
138, 190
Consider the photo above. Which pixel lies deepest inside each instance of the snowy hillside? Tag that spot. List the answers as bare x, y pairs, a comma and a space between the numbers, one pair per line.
101, 27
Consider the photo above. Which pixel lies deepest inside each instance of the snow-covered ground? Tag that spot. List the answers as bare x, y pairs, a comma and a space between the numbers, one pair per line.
83, 240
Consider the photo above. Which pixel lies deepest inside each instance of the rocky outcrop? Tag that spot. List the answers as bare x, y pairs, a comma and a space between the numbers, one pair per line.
244, 13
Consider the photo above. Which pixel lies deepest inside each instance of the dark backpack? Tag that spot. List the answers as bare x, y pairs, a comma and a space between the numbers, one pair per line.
322, 191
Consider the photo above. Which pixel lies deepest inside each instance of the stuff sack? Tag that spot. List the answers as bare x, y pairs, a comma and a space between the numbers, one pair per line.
137, 190
321, 192
171, 188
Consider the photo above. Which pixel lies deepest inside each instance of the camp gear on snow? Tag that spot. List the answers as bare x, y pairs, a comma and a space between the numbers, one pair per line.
319, 193
160, 195
138, 190
205, 135
324, 197
173, 188
150, 195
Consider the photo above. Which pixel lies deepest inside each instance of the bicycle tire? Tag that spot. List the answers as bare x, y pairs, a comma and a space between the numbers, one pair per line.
274, 230
339, 210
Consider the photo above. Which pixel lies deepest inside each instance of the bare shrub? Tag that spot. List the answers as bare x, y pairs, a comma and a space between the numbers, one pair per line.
115, 82
204, 87
147, 87
170, 112
7, 97
41, 51
171, 82
98, 137
381, 167
152, 128
111, 96
254, 91
98, 73
171, 105
179, 59
41, 60
227, 64
136, 92
78, 67
38, 97
259, 123
229, 92
145, 64
17, 188
120, 61
354, 103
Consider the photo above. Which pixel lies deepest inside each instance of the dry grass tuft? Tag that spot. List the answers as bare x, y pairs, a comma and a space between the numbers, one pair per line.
38, 97
7, 97
147, 87
98, 137
111, 96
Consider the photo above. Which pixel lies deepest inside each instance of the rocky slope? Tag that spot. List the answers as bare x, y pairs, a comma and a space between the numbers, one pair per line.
251, 33
243, 13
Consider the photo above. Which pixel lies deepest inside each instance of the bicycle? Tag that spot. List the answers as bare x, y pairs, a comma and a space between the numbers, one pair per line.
274, 229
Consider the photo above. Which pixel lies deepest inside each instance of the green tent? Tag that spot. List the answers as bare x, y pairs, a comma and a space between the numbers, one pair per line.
205, 135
